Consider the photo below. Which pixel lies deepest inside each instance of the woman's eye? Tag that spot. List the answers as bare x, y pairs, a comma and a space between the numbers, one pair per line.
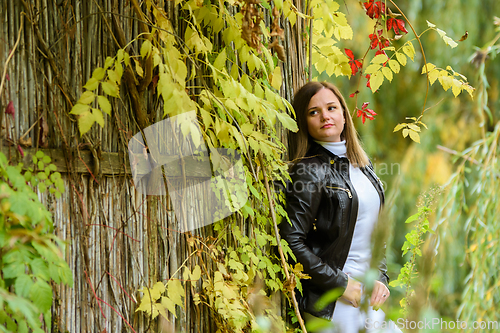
312, 113
331, 108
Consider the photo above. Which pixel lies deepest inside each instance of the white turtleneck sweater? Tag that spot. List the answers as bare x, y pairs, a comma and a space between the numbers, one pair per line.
358, 259
346, 318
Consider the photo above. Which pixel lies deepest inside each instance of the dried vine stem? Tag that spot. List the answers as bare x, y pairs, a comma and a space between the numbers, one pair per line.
4, 74
278, 241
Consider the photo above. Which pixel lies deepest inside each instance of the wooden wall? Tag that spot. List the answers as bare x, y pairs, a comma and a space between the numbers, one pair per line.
118, 239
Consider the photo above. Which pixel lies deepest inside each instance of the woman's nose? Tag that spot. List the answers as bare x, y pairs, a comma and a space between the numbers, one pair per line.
324, 115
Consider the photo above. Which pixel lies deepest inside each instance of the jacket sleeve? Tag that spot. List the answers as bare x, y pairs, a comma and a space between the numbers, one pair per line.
303, 200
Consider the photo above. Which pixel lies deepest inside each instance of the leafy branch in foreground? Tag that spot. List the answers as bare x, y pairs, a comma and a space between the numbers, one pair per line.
31, 256
413, 247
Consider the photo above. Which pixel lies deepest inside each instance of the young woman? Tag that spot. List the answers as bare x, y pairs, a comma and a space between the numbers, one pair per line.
333, 204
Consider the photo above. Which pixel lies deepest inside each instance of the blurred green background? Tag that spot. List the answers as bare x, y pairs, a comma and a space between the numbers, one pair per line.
410, 169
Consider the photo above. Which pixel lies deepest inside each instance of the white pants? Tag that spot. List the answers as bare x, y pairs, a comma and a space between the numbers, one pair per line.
348, 319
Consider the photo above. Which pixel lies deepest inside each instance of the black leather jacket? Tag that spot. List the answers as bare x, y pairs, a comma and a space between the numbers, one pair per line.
322, 206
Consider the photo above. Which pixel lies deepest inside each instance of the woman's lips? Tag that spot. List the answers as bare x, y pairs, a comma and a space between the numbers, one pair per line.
327, 126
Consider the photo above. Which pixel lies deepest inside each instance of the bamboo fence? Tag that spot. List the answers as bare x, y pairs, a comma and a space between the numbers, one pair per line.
118, 238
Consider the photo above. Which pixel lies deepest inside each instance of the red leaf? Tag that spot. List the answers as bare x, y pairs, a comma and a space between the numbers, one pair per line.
20, 150
401, 26
368, 80
10, 109
349, 54
374, 9
354, 93
374, 41
389, 23
7, 77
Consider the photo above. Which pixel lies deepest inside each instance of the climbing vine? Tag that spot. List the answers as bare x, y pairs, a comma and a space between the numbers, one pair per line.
31, 255
226, 64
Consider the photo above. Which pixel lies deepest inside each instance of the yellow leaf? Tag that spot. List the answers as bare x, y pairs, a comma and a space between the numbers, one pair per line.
169, 305
399, 127
405, 132
450, 42
245, 82
91, 84
433, 75
446, 81
276, 79
394, 65
373, 68
387, 73
409, 50
379, 59
98, 116
456, 88
220, 61
113, 76
85, 122
287, 121
176, 292
110, 88
430, 25
87, 97
146, 48
414, 127
99, 73
414, 136
79, 108
196, 274
108, 63
428, 67
376, 81
138, 68
234, 72
401, 58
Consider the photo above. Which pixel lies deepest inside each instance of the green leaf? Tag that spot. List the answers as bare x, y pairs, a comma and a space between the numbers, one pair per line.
41, 295
39, 268
87, 97
23, 284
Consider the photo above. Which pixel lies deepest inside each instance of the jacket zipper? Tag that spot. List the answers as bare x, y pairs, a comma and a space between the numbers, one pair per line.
343, 189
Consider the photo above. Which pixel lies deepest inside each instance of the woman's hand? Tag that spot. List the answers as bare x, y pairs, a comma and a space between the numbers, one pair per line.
379, 295
352, 293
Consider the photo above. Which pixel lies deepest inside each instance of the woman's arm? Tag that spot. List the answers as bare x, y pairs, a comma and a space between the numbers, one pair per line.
303, 199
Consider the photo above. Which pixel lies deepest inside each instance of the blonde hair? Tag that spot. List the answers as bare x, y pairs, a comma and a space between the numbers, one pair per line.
300, 142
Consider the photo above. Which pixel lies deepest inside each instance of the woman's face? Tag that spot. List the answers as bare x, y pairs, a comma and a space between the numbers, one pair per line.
325, 116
